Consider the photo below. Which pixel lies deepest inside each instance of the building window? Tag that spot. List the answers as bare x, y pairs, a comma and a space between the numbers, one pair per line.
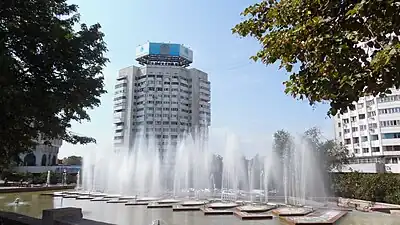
374, 137
392, 98
354, 129
391, 148
390, 123
363, 127
371, 114
356, 150
345, 121
365, 150
54, 160
44, 160
346, 131
391, 136
361, 116
375, 149
353, 119
389, 110
373, 125
30, 160
356, 140
347, 141
364, 138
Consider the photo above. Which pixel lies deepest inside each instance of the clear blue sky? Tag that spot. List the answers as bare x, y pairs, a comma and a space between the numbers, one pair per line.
247, 98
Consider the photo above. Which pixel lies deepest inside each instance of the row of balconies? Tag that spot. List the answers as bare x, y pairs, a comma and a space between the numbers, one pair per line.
371, 108
162, 86
382, 130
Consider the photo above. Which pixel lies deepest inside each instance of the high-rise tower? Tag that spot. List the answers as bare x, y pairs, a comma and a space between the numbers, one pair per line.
162, 98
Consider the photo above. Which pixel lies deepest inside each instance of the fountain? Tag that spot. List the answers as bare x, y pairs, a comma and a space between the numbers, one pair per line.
78, 181
64, 177
17, 202
181, 175
48, 178
183, 172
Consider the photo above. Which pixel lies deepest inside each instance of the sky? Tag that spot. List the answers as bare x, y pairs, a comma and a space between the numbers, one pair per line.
247, 98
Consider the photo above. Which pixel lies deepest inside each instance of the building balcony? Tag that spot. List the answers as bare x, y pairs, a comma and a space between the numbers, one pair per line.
394, 141
391, 153
119, 106
390, 129
119, 134
361, 111
118, 120
118, 141
375, 143
120, 101
119, 115
365, 144
121, 81
119, 127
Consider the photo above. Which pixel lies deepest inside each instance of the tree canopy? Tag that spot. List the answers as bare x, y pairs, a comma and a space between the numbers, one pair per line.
50, 73
344, 49
283, 143
72, 160
331, 155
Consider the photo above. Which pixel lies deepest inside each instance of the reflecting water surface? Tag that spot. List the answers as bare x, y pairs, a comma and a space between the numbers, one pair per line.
33, 204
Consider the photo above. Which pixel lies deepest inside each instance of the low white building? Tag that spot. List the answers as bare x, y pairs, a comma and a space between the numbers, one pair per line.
372, 133
41, 158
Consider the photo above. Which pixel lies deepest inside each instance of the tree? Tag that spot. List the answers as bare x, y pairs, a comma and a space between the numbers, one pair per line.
332, 155
344, 49
282, 146
283, 143
72, 160
50, 74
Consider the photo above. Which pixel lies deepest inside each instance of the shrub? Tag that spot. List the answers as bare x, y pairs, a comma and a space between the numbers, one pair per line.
381, 187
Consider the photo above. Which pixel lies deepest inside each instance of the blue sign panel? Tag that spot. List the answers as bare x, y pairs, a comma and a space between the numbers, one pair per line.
164, 49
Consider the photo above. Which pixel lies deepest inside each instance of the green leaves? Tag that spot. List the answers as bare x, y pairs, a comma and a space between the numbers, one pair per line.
326, 38
331, 155
379, 187
50, 73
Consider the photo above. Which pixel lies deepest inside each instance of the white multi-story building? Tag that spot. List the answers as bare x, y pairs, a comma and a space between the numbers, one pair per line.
372, 133
162, 98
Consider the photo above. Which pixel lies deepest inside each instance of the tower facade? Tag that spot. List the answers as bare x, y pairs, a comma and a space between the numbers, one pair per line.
161, 98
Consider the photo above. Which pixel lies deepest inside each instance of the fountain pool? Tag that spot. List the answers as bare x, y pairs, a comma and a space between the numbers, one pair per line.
123, 215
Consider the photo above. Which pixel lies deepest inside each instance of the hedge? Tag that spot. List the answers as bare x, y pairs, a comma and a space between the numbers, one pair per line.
379, 187
38, 178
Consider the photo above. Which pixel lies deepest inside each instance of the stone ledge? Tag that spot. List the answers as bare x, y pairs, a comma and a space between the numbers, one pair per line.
61, 216
10, 218
35, 189
79, 222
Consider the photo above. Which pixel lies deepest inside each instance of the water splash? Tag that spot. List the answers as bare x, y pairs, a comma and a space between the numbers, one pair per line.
48, 178
190, 169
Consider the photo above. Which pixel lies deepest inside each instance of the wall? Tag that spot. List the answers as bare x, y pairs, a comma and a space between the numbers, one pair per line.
42, 169
62, 216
